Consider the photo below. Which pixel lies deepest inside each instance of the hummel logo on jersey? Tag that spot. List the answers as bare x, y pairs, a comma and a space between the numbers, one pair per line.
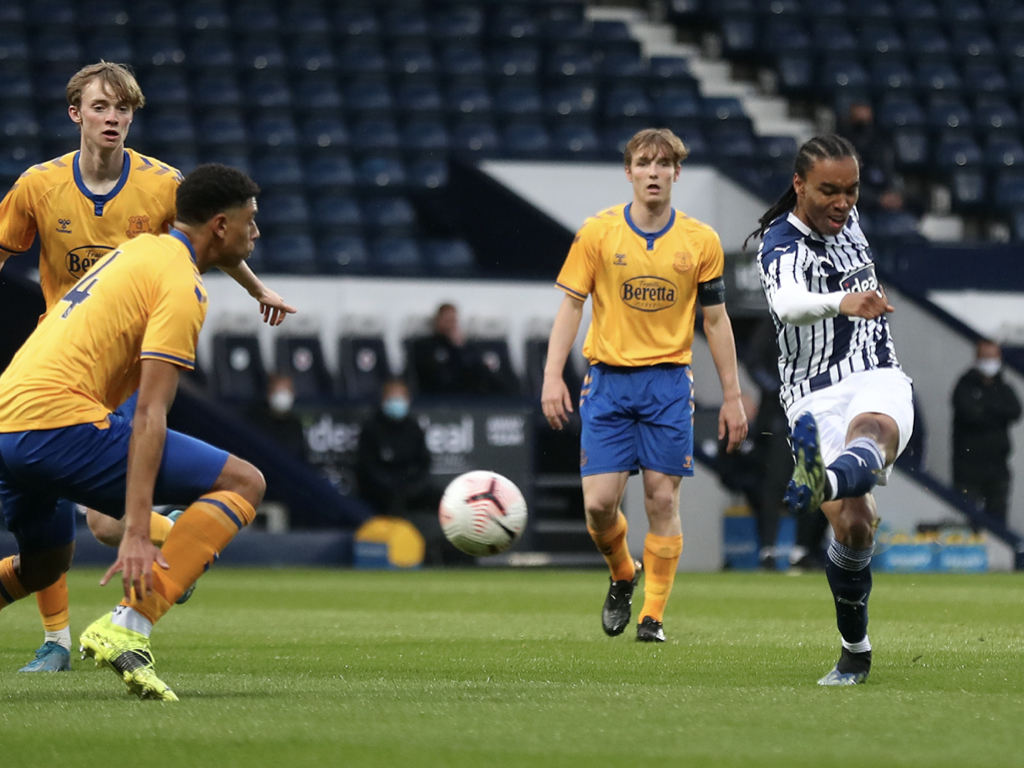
862, 280
620, 259
64, 226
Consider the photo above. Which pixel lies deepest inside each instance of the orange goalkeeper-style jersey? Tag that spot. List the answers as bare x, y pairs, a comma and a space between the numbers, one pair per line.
643, 286
77, 228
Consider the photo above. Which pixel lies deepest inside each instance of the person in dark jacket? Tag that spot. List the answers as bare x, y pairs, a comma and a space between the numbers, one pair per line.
984, 407
440, 361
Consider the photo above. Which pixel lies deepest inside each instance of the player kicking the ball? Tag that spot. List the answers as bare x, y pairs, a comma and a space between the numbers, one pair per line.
645, 266
850, 406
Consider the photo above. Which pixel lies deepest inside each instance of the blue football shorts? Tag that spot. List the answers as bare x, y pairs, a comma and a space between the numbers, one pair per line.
637, 418
42, 470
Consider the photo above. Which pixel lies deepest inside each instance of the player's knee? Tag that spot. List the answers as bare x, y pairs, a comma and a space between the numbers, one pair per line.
39, 570
601, 512
243, 478
106, 530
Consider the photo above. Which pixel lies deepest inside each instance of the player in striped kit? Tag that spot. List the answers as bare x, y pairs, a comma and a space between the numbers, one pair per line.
849, 404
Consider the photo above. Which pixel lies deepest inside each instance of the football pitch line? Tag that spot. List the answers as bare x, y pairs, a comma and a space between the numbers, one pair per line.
510, 668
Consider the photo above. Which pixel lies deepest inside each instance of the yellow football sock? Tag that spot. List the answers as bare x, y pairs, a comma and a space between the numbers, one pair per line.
198, 536
159, 528
611, 543
661, 556
10, 584
53, 605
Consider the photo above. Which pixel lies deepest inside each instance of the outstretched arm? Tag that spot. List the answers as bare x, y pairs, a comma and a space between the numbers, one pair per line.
136, 554
555, 399
732, 419
272, 306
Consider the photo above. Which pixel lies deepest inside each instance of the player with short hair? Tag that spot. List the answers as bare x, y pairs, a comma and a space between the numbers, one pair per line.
645, 266
131, 323
849, 404
82, 205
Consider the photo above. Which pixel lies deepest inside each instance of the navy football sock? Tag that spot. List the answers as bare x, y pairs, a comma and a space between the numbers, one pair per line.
854, 472
849, 575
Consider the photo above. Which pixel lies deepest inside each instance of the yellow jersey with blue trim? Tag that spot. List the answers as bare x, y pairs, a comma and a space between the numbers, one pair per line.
643, 285
76, 227
143, 301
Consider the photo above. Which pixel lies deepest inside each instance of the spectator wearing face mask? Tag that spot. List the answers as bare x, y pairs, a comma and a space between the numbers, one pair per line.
984, 407
276, 418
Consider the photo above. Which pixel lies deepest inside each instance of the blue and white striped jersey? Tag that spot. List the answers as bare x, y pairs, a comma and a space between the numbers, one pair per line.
829, 349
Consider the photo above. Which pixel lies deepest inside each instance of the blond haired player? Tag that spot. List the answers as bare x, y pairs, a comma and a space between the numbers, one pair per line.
644, 265
82, 205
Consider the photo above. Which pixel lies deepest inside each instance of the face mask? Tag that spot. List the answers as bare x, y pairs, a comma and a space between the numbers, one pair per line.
989, 366
281, 400
396, 408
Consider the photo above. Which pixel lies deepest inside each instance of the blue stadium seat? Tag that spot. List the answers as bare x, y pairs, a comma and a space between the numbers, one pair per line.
927, 43
16, 89
962, 14
184, 160
229, 156
99, 16
304, 19
335, 215
344, 254
469, 100
890, 73
57, 47
279, 172
268, 89
405, 22
1008, 191
717, 109
527, 140
16, 156
572, 100
376, 135
670, 72
292, 253
626, 103
462, 61
739, 36
694, 141
154, 15
204, 15
478, 138
880, 40
19, 123
13, 46
831, 38
984, 78
325, 133
381, 173
167, 88
371, 98
419, 98
895, 225
570, 64
255, 16
783, 34
159, 49
397, 256
329, 173
108, 44
518, 99
457, 23
171, 128
796, 73
676, 103
945, 115
938, 76
413, 59
623, 67
772, 8
311, 54
448, 257
285, 213
356, 21
210, 52
273, 131
428, 173
362, 57
362, 366
973, 45
316, 94
915, 11
216, 91
575, 141
223, 130
514, 61
780, 149
899, 111
426, 136
513, 23
957, 152
732, 142
842, 74
389, 217
53, 13
911, 148
1005, 152
562, 31
261, 52
614, 140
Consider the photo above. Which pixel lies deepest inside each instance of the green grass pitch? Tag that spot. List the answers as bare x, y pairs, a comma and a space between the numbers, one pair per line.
485, 667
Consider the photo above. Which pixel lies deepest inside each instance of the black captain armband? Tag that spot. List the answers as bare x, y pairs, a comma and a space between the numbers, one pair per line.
712, 292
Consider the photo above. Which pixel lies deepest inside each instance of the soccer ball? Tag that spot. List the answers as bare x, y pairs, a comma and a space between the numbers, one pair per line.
482, 513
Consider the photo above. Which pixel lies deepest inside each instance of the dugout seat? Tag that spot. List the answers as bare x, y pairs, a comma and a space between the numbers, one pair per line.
301, 357
238, 373
362, 365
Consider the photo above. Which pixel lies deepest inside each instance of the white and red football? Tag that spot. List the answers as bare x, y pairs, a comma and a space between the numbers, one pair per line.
482, 513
